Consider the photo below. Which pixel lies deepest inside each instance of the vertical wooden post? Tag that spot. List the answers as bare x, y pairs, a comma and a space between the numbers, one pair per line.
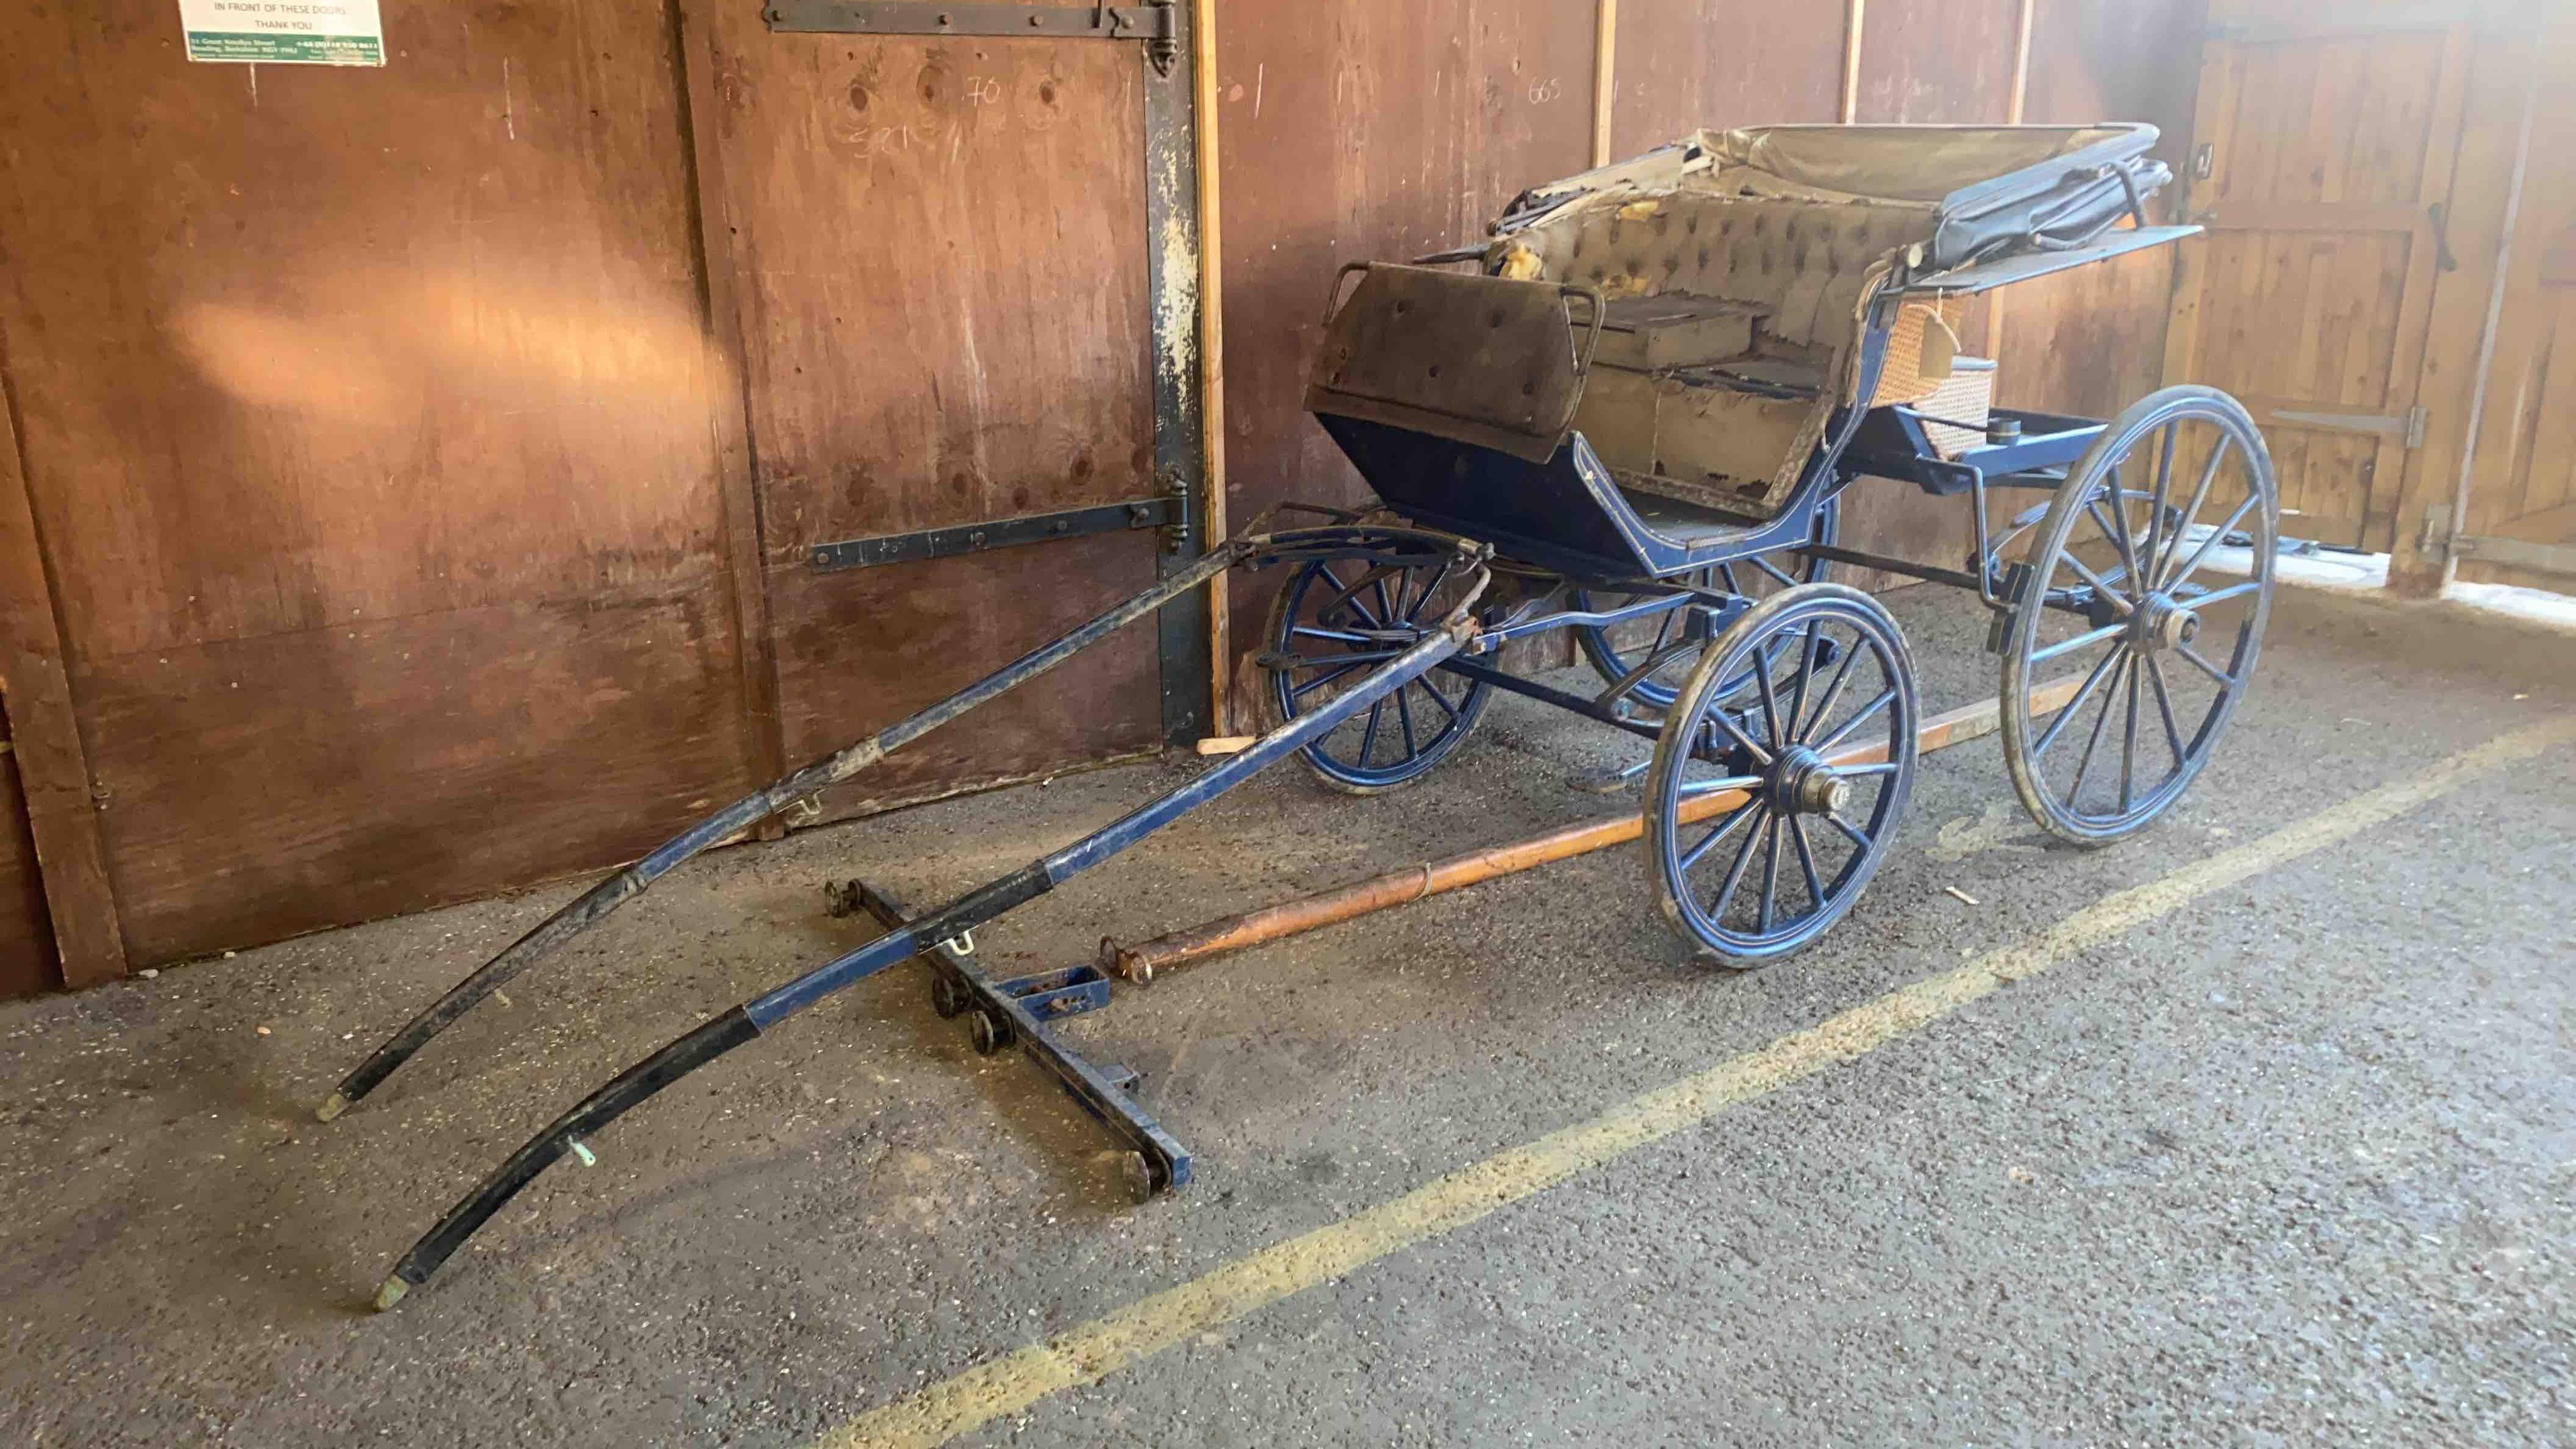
1605, 64
1852, 16
1203, 119
737, 484
2012, 117
45, 736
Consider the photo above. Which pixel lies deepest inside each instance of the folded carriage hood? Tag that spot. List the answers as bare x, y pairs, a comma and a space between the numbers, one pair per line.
1993, 186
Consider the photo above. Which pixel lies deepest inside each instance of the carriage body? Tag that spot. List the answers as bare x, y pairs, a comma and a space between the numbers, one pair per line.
1645, 392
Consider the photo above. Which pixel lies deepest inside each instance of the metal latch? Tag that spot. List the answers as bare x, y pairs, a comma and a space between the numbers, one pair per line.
2440, 542
1153, 22
888, 548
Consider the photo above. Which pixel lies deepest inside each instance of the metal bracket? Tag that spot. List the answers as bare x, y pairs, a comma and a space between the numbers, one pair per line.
886, 548
1151, 22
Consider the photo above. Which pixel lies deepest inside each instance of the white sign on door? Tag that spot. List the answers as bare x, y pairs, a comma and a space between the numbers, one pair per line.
284, 32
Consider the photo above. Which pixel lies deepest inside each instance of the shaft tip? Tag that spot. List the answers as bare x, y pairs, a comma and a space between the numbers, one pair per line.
391, 1292
332, 1108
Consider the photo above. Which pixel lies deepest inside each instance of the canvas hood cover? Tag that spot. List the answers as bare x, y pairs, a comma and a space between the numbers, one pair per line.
1990, 186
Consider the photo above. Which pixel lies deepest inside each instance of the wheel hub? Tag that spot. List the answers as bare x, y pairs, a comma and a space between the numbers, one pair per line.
1802, 783
2161, 623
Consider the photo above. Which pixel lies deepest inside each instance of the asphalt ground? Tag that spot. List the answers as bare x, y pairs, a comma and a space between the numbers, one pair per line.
2288, 1158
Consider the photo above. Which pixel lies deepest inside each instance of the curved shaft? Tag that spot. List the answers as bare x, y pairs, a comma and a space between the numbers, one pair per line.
595, 903
751, 1018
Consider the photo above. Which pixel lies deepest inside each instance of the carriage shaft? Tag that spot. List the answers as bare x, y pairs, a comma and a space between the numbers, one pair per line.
595, 904
741, 1023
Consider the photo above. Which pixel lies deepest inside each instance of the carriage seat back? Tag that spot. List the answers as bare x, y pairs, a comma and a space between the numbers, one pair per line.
1477, 359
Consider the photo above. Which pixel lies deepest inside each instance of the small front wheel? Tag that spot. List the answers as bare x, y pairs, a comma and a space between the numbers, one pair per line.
1333, 624
2123, 592
1768, 809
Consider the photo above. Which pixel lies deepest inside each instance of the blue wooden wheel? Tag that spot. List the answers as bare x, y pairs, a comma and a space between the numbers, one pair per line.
1768, 810
1614, 652
2157, 554
1334, 621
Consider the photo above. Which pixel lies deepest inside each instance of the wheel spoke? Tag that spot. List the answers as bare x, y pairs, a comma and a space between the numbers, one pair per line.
1844, 730
1833, 691
2199, 495
1834, 817
2066, 646
1734, 819
1439, 576
1297, 692
1404, 722
1774, 570
2084, 763
1718, 716
2206, 544
1743, 858
2156, 503
2118, 537
1770, 700
1330, 636
2129, 741
1437, 697
1770, 879
1806, 671
2205, 667
1876, 767
2220, 596
1807, 862
2118, 600
2164, 708
1690, 788
2083, 692
1368, 736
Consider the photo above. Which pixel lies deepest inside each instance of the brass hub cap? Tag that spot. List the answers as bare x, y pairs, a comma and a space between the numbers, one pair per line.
2160, 623
1803, 784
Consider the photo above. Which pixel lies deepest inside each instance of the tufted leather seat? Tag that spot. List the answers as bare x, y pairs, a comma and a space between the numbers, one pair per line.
1681, 423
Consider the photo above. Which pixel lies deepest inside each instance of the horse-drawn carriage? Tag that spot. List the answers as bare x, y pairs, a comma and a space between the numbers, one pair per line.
1632, 413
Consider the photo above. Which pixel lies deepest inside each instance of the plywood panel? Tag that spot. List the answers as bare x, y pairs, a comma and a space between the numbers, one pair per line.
966, 339
261, 787
366, 415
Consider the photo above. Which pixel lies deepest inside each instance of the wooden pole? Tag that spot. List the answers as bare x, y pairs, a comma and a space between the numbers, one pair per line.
1852, 14
1203, 120
1605, 59
2012, 117
1143, 961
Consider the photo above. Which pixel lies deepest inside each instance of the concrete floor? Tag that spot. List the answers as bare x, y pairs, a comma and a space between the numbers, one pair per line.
2293, 1164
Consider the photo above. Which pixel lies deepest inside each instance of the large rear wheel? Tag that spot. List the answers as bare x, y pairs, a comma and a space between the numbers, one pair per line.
2150, 578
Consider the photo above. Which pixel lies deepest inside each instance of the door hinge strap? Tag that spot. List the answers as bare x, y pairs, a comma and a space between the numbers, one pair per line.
2440, 542
1152, 22
2407, 426
887, 548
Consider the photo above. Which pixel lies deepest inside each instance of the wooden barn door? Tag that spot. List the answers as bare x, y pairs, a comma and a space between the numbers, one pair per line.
2321, 164
945, 283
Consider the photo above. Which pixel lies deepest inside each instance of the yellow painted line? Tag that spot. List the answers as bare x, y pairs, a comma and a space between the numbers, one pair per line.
1087, 1354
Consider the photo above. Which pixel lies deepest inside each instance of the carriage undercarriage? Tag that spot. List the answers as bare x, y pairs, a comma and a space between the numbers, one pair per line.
1782, 706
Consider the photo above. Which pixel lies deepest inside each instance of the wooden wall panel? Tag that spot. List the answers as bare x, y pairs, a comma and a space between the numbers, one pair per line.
942, 248
1356, 129
366, 415
1685, 64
